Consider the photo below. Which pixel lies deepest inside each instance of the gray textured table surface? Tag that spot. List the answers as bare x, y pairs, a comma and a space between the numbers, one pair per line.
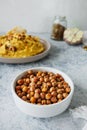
70, 59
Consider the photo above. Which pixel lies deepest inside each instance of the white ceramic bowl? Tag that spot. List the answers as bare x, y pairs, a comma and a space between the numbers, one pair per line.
43, 111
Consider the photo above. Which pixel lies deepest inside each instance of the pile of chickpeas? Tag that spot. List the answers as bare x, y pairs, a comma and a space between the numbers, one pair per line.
42, 88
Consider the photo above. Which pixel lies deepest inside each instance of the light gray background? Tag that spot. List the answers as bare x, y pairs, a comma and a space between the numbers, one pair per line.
37, 15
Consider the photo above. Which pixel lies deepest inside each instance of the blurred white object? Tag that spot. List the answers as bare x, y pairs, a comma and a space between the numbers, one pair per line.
80, 112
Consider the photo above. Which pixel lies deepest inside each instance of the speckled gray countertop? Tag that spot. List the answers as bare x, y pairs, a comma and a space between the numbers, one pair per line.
70, 59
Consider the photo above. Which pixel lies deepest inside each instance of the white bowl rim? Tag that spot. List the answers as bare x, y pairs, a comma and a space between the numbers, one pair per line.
35, 68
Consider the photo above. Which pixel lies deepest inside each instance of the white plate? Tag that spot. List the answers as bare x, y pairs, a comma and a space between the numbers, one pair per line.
30, 58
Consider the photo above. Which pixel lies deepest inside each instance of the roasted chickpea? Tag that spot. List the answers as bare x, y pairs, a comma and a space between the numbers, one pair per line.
39, 100
42, 95
65, 95
59, 85
20, 95
54, 84
52, 89
36, 95
23, 93
28, 96
24, 89
46, 80
37, 90
53, 99
27, 80
18, 91
32, 99
20, 81
30, 72
43, 102
39, 73
41, 79
44, 89
59, 96
59, 90
68, 89
32, 88
31, 94
18, 87
48, 96
54, 93
48, 102
48, 84
24, 98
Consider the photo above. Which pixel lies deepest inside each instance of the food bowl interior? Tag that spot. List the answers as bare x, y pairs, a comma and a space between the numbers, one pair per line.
48, 69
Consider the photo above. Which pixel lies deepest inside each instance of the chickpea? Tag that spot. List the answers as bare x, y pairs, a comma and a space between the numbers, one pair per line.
32, 100
68, 89
59, 85
24, 98
41, 79
18, 87
44, 85
65, 95
31, 76
20, 95
48, 84
39, 83
48, 102
48, 96
54, 93
52, 89
32, 84
27, 80
37, 90
43, 102
20, 81
23, 93
59, 91
28, 91
42, 95
53, 99
59, 96
36, 95
31, 94
59, 100
44, 89
43, 74
30, 72
54, 84
28, 96
39, 73
50, 73
39, 100
46, 80
61, 79
32, 88
18, 91
24, 89
52, 80
58, 75
34, 79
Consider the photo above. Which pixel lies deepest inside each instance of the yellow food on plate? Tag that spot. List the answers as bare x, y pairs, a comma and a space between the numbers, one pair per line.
18, 44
